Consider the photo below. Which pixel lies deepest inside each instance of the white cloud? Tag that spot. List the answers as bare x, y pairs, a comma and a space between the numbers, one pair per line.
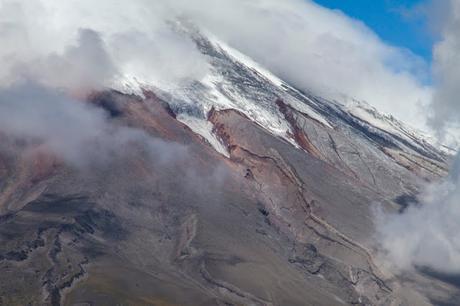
78, 43
77, 132
323, 51
315, 48
86, 65
428, 235
446, 104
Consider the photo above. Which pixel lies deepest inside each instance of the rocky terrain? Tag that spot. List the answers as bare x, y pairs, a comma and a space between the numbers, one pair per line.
243, 190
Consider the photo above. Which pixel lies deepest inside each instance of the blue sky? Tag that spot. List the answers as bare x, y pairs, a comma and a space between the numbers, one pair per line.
390, 20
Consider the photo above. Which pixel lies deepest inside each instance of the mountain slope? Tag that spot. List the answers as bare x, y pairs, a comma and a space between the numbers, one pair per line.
257, 194
340, 132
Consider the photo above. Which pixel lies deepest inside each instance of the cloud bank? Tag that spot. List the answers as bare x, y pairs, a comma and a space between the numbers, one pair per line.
425, 235
324, 52
77, 132
446, 55
428, 235
313, 48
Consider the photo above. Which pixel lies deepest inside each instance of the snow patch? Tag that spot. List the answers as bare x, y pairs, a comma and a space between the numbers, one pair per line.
129, 85
259, 69
204, 128
391, 125
220, 100
307, 110
244, 60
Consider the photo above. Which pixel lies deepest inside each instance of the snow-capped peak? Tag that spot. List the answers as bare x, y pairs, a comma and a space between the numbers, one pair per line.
236, 81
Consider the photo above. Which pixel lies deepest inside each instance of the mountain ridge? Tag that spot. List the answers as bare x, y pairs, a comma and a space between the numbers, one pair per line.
210, 44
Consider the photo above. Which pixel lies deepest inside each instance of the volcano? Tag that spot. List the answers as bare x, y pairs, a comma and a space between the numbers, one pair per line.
258, 193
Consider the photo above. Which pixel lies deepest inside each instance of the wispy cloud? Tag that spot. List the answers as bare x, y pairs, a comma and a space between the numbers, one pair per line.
446, 55
323, 51
310, 46
77, 132
427, 235
84, 66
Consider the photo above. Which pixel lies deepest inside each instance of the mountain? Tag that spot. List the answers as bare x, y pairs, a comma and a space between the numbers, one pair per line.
340, 135
255, 193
